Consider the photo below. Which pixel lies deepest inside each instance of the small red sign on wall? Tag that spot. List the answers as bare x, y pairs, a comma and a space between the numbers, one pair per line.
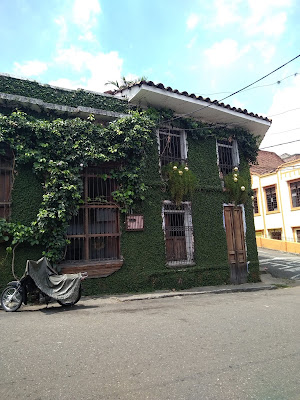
134, 222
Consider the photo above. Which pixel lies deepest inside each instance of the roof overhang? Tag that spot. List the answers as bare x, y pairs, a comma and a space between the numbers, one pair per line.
37, 105
149, 96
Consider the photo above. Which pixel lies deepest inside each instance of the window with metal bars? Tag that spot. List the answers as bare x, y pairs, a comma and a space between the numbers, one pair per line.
297, 235
295, 193
255, 203
227, 155
275, 234
172, 146
178, 229
6, 177
94, 233
271, 198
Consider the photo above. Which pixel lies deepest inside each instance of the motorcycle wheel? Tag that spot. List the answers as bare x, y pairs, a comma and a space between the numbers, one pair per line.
11, 299
67, 303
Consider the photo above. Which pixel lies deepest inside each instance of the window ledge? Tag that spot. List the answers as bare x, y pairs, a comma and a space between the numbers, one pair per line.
180, 264
94, 269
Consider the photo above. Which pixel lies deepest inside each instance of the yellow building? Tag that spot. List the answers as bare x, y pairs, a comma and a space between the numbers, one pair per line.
276, 186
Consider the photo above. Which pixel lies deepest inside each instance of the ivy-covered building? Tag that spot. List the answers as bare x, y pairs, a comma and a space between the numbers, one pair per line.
144, 188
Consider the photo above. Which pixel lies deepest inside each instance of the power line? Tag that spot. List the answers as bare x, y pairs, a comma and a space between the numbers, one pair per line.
280, 144
255, 87
238, 91
284, 112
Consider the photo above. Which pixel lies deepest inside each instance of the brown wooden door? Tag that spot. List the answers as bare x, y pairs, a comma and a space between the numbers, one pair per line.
175, 237
234, 226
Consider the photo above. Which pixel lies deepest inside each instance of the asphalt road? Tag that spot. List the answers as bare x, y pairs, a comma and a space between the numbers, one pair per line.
280, 264
202, 347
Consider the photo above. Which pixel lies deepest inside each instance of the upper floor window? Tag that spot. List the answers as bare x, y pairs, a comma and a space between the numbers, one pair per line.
255, 202
227, 156
295, 193
271, 198
94, 233
172, 146
6, 176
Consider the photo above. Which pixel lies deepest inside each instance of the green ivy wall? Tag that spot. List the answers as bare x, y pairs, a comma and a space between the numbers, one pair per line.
144, 268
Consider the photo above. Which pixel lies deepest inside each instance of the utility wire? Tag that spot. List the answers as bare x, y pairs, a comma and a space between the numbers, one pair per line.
255, 87
238, 91
280, 144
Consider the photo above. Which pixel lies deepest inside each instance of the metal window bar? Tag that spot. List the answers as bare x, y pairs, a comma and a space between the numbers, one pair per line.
225, 157
178, 230
94, 233
6, 178
171, 146
271, 199
255, 203
295, 193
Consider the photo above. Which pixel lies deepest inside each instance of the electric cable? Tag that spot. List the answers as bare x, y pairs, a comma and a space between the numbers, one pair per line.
234, 93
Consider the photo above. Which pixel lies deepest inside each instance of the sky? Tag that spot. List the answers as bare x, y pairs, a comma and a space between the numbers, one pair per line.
208, 47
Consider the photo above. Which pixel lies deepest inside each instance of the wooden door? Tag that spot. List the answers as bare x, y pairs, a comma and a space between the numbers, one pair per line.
175, 237
234, 226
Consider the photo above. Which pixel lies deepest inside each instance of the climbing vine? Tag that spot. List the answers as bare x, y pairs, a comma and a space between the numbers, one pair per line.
59, 150
198, 130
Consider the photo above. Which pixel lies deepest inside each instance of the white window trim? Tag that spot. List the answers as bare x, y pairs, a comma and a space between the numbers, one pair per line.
235, 152
189, 237
183, 141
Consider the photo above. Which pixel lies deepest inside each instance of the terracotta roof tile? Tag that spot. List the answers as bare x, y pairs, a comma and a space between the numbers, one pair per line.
207, 100
267, 162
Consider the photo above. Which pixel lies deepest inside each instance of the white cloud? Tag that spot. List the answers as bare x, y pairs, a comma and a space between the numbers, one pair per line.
192, 42
97, 68
224, 53
63, 29
30, 68
88, 37
270, 25
65, 83
285, 99
85, 13
266, 49
226, 12
192, 21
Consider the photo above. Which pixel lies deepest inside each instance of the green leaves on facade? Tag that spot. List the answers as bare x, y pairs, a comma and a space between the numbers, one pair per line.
181, 182
59, 150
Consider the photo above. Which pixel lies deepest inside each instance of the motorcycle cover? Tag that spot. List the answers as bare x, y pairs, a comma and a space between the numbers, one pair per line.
59, 287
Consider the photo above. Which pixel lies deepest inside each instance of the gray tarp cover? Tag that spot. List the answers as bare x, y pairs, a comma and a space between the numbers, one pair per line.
59, 287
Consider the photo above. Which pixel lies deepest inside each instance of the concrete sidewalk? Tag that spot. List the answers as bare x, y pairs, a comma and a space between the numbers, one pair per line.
268, 282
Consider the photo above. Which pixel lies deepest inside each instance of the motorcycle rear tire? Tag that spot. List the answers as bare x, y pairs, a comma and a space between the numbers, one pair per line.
67, 303
11, 293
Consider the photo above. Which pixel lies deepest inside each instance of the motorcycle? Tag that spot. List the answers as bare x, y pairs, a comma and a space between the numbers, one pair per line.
42, 279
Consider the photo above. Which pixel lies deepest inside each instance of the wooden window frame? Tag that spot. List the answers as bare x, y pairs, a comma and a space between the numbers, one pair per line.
266, 199
88, 236
181, 134
261, 231
290, 191
274, 229
6, 171
258, 213
295, 229
233, 145
170, 208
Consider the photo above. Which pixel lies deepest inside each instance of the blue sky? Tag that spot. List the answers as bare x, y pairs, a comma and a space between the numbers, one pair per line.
211, 48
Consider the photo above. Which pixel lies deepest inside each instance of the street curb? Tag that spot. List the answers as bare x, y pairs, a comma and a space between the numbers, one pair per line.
154, 296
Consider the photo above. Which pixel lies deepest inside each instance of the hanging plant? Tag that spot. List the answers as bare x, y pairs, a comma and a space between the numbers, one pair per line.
236, 187
181, 182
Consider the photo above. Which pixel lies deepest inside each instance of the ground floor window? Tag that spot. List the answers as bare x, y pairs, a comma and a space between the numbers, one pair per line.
178, 229
297, 235
275, 234
94, 233
6, 177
